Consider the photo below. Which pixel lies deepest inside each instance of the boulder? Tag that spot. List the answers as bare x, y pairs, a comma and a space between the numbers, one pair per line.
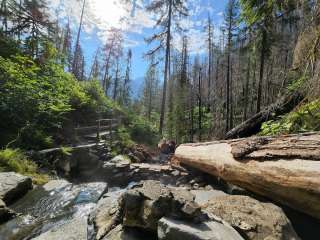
13, 186
145, 205
75, 229
202, 197
253, 219
121, 233
105, 217
169, 229
5, 213
120, 172
55, 185
119, 162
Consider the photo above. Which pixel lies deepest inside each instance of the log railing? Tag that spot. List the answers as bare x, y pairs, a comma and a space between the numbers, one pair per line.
108, 125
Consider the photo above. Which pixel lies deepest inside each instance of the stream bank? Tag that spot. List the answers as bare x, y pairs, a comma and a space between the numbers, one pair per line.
119, 200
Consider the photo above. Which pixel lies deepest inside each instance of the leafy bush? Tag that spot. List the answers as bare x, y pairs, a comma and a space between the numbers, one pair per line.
141, 130
97, 105
36, 101
8, 47
305, 118
124, 136
15, 160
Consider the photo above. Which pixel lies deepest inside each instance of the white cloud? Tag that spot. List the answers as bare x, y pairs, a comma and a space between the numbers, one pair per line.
101, 15
220, 14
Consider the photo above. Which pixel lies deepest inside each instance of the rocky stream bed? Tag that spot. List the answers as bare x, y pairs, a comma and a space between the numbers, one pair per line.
119, 200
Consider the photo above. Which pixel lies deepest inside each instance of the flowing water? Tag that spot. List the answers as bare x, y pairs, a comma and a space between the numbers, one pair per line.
49, 206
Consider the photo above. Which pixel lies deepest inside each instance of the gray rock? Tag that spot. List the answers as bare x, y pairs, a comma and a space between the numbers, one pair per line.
202, 197
5, 213
253, 219
55, 185
13, 186
169, 229
116, 164
105, 216
144, 205
175, 173
75, 229
121, 233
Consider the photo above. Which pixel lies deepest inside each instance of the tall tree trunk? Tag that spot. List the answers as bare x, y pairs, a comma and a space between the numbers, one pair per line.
199, 106
192, 123
228, 94
4, 9
231, 98
228, 70
254, 78
105, 84
116, 82
150, 102
209, 62
78, 37
19, 20
262, 60
166, 73
246, 90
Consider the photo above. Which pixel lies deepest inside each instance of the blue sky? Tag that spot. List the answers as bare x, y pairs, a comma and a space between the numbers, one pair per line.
100, 15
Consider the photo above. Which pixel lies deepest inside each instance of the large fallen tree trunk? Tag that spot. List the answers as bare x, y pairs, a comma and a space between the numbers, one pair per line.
285, 169
253, 124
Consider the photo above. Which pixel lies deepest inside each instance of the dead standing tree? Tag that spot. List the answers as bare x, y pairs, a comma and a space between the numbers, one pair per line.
170, 11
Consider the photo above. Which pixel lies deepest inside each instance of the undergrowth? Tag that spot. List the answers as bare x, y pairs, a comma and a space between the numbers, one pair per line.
15, 160
305, 118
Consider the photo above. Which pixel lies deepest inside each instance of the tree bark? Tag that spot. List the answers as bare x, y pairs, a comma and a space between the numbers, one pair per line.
200, 105
166, 71
262, 59
78, 36
253, 124
246, 90
285, 169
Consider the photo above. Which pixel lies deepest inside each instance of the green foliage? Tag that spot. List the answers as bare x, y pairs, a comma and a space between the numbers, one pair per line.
97, 101
8, 47
141, 130
124, 136
34, 100
305, 118
206, 120
15, 160
254, 12
66, 151
32, 136
297, 84
37, 99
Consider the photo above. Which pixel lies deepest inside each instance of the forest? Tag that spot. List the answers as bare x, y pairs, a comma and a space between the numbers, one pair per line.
263, 52
252, 71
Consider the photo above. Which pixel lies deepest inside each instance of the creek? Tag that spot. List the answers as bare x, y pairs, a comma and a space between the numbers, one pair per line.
50, 206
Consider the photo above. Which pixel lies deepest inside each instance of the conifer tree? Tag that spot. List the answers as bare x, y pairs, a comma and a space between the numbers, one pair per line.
169, 11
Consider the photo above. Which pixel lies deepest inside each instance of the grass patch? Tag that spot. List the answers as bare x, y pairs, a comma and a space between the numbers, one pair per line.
14, 160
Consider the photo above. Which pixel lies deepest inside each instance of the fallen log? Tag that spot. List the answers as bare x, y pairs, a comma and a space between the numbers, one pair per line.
253, 125
285, 169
